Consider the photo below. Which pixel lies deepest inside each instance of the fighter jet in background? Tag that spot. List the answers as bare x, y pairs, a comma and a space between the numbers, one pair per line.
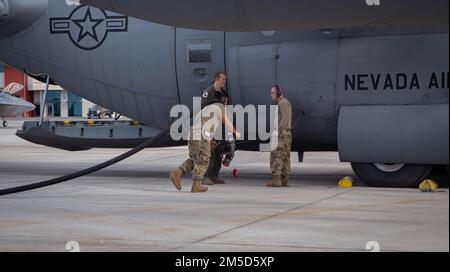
10, 105
368, 79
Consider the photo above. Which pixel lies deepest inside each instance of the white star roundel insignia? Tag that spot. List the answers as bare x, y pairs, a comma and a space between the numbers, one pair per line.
88, 27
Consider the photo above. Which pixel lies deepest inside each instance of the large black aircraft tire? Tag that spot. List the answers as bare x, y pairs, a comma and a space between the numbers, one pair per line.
384, 175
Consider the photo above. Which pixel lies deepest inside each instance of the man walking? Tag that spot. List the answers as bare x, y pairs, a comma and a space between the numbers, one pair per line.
215, 94
206, 124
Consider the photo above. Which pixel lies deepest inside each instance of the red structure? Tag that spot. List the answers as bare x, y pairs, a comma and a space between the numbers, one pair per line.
13, 75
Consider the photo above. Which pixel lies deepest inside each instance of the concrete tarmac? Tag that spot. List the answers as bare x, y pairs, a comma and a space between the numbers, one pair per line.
132, 206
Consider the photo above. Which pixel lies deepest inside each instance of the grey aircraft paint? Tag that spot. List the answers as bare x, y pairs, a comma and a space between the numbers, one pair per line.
17, 15
11, 106
142, 69
258, 15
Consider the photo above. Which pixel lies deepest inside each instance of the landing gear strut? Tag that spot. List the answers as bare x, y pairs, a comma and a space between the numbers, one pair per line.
44, 101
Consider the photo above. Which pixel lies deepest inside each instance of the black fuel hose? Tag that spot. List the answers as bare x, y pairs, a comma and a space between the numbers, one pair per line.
85, 172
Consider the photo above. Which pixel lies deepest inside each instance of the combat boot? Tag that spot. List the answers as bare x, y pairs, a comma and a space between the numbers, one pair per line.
175, 176
218, 181
197, 187
207, 181
285, 181
276, 182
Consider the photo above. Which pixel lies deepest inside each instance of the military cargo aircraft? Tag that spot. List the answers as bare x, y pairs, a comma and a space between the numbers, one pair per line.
369, 79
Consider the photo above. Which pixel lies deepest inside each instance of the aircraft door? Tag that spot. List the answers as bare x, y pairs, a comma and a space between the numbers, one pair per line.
307, 72
199, 55
252, 73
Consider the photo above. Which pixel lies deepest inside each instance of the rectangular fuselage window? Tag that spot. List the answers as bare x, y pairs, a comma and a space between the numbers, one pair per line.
199, 51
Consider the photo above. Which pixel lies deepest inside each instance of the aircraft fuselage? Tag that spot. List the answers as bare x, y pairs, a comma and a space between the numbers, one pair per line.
141, 69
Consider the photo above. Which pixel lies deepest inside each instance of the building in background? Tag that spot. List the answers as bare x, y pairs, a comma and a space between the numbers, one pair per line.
60, 102
2, 76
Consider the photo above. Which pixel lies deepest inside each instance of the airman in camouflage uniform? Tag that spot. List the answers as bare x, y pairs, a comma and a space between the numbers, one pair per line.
199, 142
280, 158
211, 96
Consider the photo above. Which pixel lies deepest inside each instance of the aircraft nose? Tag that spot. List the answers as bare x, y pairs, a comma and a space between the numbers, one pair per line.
29, 106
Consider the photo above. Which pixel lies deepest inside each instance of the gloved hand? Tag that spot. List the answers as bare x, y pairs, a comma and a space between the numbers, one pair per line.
229, 150
230, 137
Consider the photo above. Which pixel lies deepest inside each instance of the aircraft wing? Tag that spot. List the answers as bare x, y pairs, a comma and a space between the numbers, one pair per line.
260, 15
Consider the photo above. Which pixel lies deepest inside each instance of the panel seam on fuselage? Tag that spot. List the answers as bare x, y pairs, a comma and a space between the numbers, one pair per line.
176, 64
230, 98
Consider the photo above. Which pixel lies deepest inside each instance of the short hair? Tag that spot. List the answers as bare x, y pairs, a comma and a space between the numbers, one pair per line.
218, 74
278, 89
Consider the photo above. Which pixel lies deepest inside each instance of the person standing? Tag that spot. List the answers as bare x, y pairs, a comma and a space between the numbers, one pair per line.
280, 158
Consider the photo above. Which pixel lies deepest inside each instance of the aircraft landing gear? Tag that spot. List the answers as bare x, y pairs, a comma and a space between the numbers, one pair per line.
391, 175
5, 123
44, 105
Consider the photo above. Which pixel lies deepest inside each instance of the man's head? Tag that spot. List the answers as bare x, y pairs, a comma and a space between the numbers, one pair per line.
220, 80
276, 93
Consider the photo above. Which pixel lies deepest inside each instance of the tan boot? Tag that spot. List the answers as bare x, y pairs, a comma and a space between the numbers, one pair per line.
218, 181
276, 182
208, 181
285, 181
175, 176
197, 187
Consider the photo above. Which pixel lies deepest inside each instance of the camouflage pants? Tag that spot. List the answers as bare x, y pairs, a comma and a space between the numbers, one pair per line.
280, 158
216, 161
198, 162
